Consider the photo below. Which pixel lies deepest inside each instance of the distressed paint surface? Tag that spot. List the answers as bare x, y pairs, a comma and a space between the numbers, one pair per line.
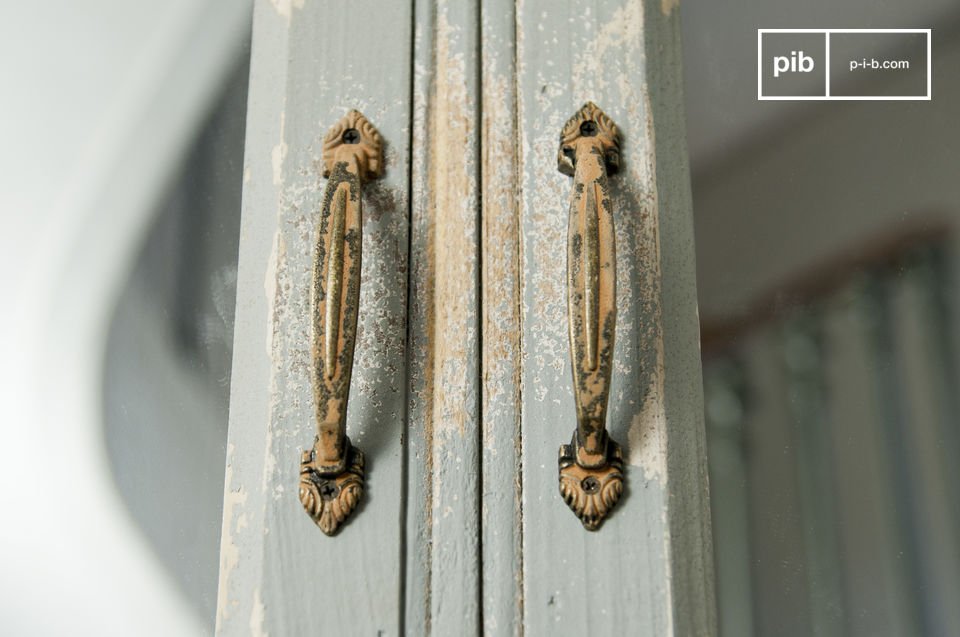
650, 566
443, 541
487, 292
500, 306
280, 574
241, 557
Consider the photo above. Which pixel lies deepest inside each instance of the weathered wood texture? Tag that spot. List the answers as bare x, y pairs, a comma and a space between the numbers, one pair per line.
280, 574
649, 569
443, 487
500, 306
410, 559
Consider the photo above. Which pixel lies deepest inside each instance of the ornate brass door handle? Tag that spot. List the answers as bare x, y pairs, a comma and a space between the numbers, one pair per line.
331, 473
591, 466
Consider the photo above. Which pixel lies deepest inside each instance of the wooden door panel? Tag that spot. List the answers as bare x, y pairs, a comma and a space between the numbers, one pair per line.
461, 391
650, 566
280, 574
500, 306
443, 492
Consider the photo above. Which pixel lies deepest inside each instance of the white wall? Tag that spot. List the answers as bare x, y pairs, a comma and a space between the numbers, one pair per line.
100, 100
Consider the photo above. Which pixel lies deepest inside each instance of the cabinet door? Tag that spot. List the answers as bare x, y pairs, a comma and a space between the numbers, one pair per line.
462, 391
648, 570
279, 574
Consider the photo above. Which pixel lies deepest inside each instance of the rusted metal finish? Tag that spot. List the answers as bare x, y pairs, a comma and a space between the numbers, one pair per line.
591, 466
329, 500
331, 473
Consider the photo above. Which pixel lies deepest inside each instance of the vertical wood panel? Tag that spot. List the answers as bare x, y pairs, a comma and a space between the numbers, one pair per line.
649, 567
443, 518
242, 533
279, 573
500, 306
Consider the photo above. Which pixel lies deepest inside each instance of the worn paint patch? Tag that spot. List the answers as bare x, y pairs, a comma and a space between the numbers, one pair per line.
279, 152
453, 204
277, 252
444, 341
257, 615
284, 8
500, 342
500, 278
618, 40
233, 501
270, 461
656, 274
667, 6
647, 435
646, 439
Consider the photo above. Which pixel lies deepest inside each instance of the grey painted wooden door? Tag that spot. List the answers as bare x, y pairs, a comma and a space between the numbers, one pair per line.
461, 391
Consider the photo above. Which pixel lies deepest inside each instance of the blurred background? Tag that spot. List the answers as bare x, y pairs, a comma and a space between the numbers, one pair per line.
828, 278
828, 285
122, 135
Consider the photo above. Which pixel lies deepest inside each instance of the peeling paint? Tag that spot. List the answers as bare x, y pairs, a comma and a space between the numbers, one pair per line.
284, 8
270, 285
444, 342
257, 615
617, 41
270, 463
453, 243
279, 152
233, 500
646, 440
500, 283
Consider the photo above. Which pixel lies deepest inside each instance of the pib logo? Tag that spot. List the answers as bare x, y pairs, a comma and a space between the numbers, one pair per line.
792, 64
796, 62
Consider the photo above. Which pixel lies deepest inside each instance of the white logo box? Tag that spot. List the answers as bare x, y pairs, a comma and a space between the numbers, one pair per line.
827, 96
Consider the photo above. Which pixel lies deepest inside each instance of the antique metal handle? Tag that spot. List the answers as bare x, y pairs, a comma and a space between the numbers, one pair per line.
591, 466
331, 473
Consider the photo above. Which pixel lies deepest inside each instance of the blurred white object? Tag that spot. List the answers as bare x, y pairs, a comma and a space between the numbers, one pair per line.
100, 100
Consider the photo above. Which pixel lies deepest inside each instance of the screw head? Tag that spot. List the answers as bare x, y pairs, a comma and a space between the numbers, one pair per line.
329, 490
588, 128
351, 136
590, 485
